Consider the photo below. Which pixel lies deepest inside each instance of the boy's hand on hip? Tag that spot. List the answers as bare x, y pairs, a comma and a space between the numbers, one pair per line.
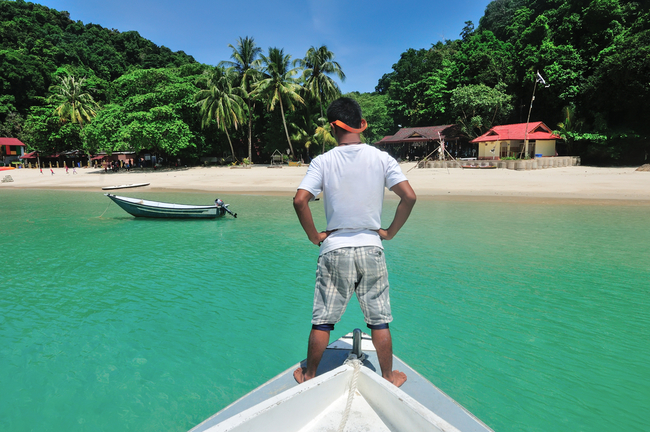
384, 234
320, 237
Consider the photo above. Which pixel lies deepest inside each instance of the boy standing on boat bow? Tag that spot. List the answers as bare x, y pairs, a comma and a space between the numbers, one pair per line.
352, 178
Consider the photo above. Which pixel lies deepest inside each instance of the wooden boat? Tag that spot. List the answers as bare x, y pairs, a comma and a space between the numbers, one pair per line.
479, 166
154, 209
125, 186
349, 367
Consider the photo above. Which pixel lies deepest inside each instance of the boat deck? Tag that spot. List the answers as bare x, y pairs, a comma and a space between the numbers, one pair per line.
362, 417
324, 411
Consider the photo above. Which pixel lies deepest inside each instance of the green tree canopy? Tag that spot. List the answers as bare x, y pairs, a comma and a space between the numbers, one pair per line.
153, 110
245, 60
74, 104
479, 107
375, 111
36, 40
44, 132
592, 53
317, 65
279, 87
220, 101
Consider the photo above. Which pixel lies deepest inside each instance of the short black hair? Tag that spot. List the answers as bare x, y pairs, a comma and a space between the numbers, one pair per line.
347, 110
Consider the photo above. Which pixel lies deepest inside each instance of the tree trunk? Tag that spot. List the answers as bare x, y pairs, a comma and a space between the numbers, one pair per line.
250, 133
82, 127
320, 100
234, 158
284, 122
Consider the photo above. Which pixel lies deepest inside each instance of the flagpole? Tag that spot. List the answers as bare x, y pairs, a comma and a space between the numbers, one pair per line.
528, 119
538, 79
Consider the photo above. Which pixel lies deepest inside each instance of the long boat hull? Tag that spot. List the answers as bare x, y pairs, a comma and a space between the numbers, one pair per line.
154, 209
324, 403
479, 167
125, 186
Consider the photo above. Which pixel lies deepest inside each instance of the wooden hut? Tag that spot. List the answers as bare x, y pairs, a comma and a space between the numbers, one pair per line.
417, 142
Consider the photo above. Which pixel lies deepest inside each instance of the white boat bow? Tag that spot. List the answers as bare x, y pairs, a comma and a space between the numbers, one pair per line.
321, 404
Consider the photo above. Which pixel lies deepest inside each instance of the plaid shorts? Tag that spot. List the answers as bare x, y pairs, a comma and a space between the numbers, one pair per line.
352, 269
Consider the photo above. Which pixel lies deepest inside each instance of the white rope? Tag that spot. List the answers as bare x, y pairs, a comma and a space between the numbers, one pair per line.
109, 204
356, 363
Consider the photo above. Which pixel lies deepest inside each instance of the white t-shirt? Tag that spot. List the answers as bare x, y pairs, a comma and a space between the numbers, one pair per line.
352, 179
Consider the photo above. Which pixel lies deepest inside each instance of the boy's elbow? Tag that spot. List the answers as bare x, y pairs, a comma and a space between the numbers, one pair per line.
405, 193
410, 198
296, 204
299, 202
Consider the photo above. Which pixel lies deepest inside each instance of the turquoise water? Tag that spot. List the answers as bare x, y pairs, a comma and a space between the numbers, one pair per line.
534, 317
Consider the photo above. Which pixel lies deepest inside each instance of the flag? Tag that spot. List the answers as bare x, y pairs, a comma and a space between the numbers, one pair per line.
540, 79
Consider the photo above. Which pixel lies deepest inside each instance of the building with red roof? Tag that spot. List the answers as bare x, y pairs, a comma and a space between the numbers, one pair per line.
11, 149
509, 140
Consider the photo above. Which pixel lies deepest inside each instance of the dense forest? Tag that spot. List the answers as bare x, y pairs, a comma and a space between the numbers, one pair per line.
594, 58
66, 85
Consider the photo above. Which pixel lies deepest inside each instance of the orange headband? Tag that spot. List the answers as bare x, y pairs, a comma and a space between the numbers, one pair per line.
342, 125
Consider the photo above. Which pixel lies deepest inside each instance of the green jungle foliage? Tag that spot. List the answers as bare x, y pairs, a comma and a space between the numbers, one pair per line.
151, 109
35, 41
65, 85
69, 86
593, 54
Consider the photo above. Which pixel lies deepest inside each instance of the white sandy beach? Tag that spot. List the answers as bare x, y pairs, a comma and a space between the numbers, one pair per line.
572, 183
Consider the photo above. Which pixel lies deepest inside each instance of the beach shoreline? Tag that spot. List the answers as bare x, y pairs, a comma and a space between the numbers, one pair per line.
583, 184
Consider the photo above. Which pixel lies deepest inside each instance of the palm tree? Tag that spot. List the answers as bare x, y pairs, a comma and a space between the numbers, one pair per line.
569, 126
75, 105
221, 102
278, 84
309, 130
318, 64
246, 63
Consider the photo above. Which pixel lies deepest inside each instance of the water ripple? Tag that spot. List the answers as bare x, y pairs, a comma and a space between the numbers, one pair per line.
534, 317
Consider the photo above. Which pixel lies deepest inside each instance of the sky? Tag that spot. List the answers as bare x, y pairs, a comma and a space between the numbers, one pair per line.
366, 37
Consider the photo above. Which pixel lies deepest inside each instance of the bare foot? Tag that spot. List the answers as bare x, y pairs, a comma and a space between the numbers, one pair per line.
299, 375
399, 378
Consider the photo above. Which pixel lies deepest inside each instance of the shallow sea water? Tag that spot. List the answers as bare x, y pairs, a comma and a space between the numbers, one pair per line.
535, 317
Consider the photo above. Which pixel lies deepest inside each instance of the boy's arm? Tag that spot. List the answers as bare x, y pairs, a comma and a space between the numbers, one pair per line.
406, 203
301, 205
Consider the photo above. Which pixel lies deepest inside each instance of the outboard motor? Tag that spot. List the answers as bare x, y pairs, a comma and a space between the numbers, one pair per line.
224, 207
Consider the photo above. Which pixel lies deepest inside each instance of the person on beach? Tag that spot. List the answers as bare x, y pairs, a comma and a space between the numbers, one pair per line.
352, 177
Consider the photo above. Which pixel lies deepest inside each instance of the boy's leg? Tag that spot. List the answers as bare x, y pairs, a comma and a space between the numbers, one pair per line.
318, 341
374, 299
383, 343
335, 277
